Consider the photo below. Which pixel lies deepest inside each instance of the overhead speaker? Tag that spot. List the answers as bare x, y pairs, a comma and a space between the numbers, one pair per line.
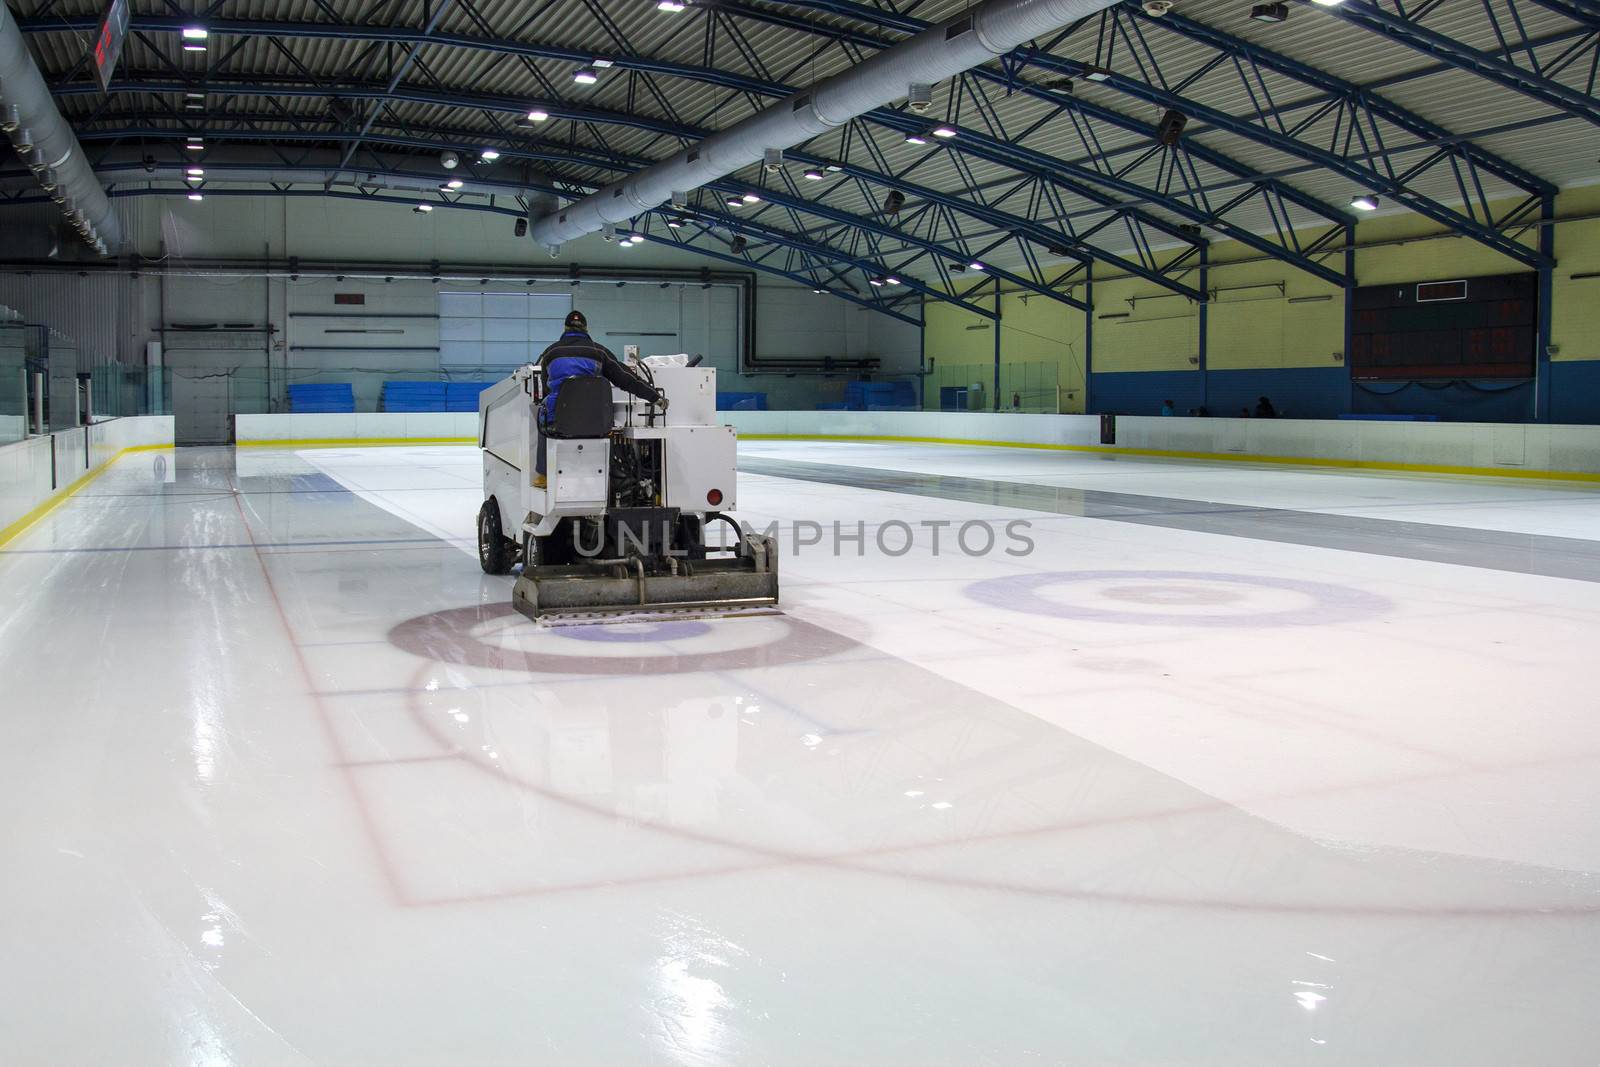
1171, 127
521, 228
738, 245
894, 202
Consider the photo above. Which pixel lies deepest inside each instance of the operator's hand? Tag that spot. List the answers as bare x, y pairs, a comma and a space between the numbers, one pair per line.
663, 402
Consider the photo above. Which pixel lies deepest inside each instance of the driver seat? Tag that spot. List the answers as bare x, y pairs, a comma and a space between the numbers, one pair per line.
583, 409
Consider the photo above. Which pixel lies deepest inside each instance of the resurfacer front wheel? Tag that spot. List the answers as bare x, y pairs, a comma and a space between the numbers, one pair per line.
495, 552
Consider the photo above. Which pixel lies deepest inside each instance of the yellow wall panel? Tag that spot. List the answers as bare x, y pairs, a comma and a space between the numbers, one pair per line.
1268, 314
1048, 336
1161, 331
954, 335
1575, 302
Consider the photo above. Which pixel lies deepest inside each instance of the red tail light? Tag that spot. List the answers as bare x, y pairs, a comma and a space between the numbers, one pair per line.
714, 497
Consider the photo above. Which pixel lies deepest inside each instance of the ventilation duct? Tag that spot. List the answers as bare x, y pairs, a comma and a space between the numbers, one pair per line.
47, 144
937, 53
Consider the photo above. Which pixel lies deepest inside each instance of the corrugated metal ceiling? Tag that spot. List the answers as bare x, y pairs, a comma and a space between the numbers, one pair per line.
1557, 148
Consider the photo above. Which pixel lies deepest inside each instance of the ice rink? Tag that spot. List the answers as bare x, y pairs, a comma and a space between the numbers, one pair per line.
1219, 764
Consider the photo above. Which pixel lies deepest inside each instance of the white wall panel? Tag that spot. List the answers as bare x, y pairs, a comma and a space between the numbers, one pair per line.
1488, 446
26, 466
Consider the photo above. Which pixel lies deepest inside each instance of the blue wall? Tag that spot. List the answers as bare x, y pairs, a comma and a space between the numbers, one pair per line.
1327, 393
1482, 401
1575, 392
1298, 393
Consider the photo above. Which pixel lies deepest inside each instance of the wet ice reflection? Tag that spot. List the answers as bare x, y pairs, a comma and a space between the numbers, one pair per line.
331, 802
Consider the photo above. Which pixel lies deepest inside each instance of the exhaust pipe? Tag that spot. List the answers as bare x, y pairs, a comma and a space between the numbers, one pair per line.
46, 143
939, 52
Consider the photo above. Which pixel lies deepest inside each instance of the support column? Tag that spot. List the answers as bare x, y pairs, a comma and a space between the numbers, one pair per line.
1349, 315
922, 356
1205, 302
1541, 372
1088, 341
997, 344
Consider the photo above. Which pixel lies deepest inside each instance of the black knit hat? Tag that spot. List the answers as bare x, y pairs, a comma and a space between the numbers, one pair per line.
576, 321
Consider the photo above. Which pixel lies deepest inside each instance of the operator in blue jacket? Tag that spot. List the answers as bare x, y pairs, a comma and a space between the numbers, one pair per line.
577, 355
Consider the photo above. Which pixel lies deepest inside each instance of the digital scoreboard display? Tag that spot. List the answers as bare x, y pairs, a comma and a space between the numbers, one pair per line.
1454, 329
108, 42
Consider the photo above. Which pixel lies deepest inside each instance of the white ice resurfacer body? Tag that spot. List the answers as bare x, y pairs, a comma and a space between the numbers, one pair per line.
633, 518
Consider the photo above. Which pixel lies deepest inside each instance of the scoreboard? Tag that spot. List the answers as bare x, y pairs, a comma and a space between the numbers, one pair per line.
108, 42
1482, 327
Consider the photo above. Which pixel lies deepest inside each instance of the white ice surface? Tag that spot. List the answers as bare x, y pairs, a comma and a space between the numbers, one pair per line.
284, 782
1553, 508
1460, 671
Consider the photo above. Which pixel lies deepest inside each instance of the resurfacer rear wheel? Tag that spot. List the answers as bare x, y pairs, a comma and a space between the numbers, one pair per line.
495, 552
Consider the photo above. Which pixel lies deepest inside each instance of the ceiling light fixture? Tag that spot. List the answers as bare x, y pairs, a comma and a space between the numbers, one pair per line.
751, 198
813, 175
423, 209
975, 265
196, 172
875, 281
196, 196
454, 183
1096, 74
674, 224
586, 76
672, 6
1270, 13
734, 201
1365, 202
912, 138
538, 115
194, 33
489, 155
891, 280
945, 132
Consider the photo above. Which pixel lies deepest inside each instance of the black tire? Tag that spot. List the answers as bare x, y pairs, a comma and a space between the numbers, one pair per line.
531, 552
495, 552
